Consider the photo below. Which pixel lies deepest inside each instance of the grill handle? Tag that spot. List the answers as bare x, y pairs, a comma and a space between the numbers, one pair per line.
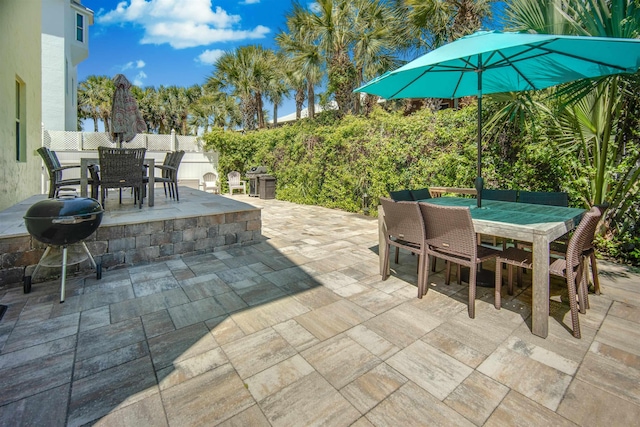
73, 219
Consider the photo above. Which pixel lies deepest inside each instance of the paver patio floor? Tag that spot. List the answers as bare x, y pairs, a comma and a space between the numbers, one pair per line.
300, 330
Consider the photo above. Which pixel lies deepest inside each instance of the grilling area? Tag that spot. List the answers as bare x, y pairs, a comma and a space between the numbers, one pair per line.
201, 222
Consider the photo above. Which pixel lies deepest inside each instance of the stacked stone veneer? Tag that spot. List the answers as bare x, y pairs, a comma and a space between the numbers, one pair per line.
132, 244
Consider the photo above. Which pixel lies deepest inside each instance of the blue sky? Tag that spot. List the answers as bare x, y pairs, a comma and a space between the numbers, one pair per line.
175, 42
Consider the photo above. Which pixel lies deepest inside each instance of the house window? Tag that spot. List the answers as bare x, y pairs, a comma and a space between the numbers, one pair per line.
21, 125
79, 28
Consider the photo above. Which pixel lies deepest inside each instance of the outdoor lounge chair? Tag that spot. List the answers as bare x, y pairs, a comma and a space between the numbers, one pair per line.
210, 183
235, 183
571, 267
405, 229
450, 235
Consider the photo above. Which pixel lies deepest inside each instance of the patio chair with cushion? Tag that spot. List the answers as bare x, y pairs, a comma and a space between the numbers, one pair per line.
401, 195
570, 268
55, 170
550, 198
450, 236
235, 183
421, 194
404, 229
210, 183
122, 168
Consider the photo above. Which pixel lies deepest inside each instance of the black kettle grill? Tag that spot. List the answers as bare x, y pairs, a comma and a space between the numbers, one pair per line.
61, 222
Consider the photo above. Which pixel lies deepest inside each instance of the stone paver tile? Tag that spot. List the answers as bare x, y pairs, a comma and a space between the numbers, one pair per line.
586, 404
373, 342
454, 347
143, 273
613, 370
335, 280
265, 315
403, 324
34, 332
109, 359
281, 277
257, 352
252, 416
157, 323
102, 298
296, 335
340, 360
31, 354
207, 399
477, 397
330, 320
180, 344
100, 341
154, 286
517, 410
236, 274
277, 377
148, 304
410, 405
309, 401
371, 388
200, 287
620, 333
317, 297
48, 408
146, 412
224, 329
375, 301
625, 311
94, 318
195, 312
230, 302
95, 396
530, 371
431, 369
35, 376
185, 369
257, 290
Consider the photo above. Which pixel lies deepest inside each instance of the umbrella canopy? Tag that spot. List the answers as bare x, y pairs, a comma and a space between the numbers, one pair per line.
491, 62
126, 120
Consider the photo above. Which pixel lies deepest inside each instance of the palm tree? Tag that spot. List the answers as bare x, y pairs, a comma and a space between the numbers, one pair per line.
94, 96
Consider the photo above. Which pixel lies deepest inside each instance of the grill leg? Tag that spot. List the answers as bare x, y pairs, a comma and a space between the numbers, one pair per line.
44, 255
64, 273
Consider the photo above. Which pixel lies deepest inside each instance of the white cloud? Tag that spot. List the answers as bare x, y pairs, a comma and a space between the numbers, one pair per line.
250, 2
210, 56
138, 79
140, 63
181, 23
133, 64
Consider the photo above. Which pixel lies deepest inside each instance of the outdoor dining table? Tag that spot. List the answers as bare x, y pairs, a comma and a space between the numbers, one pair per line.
84, 180
525, 222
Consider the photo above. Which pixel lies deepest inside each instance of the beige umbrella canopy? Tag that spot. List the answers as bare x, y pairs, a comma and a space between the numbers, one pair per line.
126, 119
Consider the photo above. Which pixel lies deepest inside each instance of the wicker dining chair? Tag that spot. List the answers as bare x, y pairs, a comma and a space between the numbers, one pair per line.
406, 230
122, 168
450, 236
570, 268
55, 170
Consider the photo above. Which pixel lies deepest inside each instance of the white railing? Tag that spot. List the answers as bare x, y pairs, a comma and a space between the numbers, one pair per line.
82, 141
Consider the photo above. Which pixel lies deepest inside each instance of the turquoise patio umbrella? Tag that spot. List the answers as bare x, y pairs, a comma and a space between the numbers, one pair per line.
491, 62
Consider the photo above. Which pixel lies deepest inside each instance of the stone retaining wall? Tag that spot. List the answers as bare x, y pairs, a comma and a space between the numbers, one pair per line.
132, 244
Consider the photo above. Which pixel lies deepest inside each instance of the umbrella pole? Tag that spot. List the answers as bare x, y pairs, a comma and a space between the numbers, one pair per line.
479, 184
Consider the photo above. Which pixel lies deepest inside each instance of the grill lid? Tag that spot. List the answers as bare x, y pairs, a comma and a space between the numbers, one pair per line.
256, 170
63, 206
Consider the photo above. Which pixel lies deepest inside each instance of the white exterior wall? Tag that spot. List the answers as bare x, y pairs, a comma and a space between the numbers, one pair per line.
61, 53
20, 56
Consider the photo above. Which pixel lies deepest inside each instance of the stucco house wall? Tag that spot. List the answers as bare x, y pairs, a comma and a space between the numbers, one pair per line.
20, 56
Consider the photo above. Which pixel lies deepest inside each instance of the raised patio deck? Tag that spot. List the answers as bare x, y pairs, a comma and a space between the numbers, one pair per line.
299, 330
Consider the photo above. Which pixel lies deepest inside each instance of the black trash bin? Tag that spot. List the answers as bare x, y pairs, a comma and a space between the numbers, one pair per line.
267, 187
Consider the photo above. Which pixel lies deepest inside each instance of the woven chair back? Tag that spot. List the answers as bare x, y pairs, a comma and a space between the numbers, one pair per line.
401, 195
403, 221
582, 238
500, 195
421, 194
450, 229
549, 198
121, 167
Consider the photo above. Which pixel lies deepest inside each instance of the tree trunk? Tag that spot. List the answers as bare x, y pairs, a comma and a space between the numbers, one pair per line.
311, 109
275, 115
299, 102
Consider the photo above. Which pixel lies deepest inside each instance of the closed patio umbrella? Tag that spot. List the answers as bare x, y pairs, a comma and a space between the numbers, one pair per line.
126, 119
491, 62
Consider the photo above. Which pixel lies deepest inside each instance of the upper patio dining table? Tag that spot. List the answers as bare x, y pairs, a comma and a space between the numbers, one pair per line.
84, 180
538, 224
